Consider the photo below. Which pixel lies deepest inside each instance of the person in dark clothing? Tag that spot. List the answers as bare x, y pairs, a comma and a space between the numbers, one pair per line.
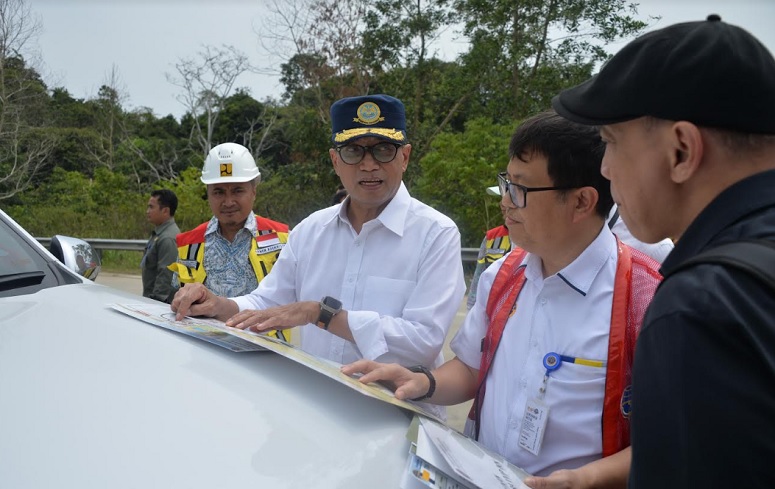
688, 114
161, 250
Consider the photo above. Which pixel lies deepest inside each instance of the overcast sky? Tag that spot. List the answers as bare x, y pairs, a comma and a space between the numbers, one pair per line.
82, 40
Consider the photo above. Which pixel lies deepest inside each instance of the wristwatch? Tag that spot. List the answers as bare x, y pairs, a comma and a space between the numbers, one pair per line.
329, 307
419, 369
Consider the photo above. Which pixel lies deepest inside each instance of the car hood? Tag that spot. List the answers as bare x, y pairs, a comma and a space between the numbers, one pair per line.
90, 397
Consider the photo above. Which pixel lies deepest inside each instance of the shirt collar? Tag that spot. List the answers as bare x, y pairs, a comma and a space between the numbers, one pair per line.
582, 271
161, 227
250, 225
393, 216
745, 197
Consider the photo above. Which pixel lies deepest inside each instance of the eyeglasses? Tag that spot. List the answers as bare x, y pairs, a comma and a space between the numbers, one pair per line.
518, 193
352, 154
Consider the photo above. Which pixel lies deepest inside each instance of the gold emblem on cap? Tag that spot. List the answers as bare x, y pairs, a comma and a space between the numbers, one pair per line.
347, 134
368, 114
225, 169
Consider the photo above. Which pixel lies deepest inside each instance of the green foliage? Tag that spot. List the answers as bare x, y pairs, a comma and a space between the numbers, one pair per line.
85, 167
121, 261
193, 208
521, 49
73, 204
294, 191
457, 171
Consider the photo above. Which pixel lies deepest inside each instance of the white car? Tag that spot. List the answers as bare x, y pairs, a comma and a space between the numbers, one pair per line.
91, 398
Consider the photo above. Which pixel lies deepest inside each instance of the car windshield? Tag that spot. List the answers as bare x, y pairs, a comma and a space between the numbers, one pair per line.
16, 256
23, 268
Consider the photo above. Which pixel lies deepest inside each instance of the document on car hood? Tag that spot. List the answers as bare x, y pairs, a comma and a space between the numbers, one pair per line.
463, 459
212, 330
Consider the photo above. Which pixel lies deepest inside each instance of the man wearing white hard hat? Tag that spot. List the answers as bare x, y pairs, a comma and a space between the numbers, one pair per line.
216, 253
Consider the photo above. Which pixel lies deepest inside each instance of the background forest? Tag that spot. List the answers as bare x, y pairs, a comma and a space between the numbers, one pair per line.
85, 167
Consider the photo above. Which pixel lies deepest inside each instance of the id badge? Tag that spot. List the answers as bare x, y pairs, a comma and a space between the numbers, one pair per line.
531, 436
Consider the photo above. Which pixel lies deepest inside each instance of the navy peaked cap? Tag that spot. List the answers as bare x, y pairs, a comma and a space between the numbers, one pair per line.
379, 116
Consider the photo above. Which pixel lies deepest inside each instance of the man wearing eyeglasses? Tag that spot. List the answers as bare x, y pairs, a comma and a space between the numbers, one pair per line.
561, 311
386, 266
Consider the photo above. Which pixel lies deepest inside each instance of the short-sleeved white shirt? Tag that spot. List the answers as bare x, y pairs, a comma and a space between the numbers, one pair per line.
658, 251
568, 313
400, 280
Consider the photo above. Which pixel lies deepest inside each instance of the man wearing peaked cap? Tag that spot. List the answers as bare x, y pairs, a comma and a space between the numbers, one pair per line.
378, 276
688, 114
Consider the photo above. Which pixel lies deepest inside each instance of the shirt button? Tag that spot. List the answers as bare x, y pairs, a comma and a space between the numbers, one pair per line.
357, 244
543, 302
351, 279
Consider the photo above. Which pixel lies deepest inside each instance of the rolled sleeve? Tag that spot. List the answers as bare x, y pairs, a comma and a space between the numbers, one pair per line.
368, 334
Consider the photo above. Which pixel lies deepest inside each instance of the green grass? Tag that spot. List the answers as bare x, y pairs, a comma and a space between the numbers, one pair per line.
121, 261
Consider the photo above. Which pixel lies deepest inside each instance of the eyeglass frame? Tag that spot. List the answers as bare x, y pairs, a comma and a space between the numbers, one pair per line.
369, 150
502, 182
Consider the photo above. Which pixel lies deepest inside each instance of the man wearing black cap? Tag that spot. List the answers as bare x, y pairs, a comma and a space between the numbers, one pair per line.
386, 266
688, 114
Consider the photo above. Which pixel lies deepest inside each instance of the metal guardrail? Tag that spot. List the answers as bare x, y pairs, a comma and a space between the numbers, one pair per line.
468, 255
100, 244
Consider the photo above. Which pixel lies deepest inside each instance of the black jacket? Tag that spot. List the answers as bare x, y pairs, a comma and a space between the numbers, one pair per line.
704, 371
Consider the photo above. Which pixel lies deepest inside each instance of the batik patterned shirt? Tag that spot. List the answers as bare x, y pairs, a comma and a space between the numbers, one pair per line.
229, 273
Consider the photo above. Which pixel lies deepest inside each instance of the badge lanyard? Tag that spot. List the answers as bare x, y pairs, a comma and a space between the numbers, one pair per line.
536, 415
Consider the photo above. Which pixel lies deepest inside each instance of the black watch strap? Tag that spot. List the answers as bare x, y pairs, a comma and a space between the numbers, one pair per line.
422, 370
329, 307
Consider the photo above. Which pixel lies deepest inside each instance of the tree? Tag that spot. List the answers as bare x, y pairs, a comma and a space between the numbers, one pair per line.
399, 34
206, 82
524, 51
24, 147
321, 43
458, 169
247, 121
108, 112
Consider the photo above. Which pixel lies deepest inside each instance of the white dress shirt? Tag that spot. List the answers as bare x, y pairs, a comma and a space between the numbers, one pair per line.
568, 313
658, 251
400, 281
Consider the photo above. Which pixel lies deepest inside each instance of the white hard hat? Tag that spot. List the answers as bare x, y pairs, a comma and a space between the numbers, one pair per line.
496, 190
229, 163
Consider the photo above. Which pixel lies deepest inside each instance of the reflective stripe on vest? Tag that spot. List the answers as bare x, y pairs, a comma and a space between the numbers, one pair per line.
191, 251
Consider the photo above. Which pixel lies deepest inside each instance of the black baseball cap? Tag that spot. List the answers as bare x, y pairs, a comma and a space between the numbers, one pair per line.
710, 73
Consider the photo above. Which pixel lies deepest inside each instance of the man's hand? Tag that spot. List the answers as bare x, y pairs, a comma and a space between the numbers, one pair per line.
196, 300
274, 318
561, 479
407, 384
608, 472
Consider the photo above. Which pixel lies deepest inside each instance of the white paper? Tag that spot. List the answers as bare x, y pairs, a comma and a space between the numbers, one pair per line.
467, 460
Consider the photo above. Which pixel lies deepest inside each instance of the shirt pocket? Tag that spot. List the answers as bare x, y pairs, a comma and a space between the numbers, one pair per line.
575, 376
576, 392
388, 296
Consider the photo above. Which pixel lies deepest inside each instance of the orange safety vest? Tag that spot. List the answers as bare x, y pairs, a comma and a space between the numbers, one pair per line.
496, 244
264, 250
636, 280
